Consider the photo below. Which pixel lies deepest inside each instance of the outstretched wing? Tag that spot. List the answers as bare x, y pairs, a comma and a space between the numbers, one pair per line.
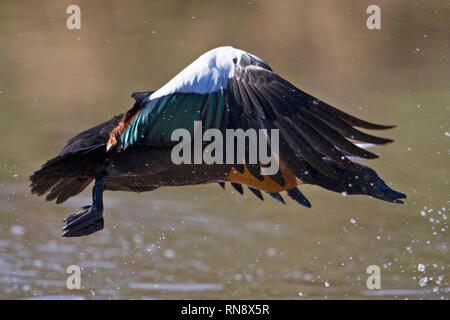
309, 128
251, 97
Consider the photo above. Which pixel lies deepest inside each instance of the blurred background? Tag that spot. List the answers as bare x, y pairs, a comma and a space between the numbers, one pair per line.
203, 242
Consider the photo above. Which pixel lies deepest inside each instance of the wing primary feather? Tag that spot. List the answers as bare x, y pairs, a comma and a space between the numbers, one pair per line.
347, 130
237, 187
315, 107
235, 95
296, 195
304, 149
284, 86
318, 142
278, 176
276, 196
234, 122
286, 99
256, 192
246, 104
264, 102
253, 168
255, 102
312, 136
292, 161
336, 138
351, 120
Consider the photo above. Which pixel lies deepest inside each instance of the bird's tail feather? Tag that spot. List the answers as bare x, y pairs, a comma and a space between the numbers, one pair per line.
77, 164
83, 157
66, 176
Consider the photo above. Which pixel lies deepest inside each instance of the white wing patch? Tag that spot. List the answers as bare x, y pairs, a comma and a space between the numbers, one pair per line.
209, 73
362, 145
365, 145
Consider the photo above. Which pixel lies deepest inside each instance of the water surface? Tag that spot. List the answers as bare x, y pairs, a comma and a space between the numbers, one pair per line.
203, 242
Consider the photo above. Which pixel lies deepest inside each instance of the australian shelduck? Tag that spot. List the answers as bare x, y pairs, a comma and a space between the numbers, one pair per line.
225, 88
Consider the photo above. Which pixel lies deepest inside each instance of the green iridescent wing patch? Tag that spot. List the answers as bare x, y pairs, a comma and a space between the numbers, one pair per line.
155, 123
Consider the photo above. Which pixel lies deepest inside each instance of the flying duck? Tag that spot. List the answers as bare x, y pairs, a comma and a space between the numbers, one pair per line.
225, 88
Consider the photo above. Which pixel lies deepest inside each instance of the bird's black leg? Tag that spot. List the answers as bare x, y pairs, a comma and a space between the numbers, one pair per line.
90, 218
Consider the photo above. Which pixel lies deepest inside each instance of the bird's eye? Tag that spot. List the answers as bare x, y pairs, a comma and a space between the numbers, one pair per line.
234, 60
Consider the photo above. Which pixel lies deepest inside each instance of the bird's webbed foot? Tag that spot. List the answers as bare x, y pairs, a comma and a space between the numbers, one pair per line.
84, 222
90, 218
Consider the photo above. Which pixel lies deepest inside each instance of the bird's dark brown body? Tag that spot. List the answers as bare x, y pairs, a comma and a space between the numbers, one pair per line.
136, 169
128, 172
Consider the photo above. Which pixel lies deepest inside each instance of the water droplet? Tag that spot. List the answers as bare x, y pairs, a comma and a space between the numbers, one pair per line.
169, 253
271, 252
17, 230
423, 281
